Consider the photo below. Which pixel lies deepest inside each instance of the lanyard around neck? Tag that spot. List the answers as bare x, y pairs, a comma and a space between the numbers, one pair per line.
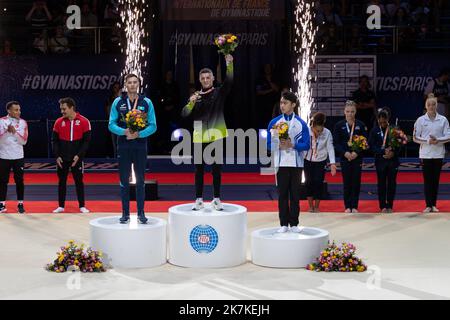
314, 145
350, 132
134, 105
384, 136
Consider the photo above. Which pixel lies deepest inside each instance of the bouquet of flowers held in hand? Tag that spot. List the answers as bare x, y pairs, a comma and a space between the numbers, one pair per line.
74, 255
135, 120
338, 258
397, 138
226, 43
282, 129
358, 143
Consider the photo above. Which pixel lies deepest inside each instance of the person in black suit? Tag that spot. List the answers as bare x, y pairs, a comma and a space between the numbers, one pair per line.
386, 162
351, 161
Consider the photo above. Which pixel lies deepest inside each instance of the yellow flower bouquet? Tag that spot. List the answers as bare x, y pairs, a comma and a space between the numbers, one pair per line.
226, 43
358, 143
77, 257
338, 258
135, 120
283, 130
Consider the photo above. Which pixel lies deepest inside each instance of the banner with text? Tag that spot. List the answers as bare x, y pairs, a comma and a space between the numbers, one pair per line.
222, 9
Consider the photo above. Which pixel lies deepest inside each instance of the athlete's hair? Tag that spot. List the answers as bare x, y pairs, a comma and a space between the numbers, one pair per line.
383, 114
11, 103
318, 119
69, 101
431, 97
131, 75
350, 103
205, 70
292, 97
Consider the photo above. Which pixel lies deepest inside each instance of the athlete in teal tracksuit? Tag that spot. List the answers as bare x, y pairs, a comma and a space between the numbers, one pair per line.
132, 146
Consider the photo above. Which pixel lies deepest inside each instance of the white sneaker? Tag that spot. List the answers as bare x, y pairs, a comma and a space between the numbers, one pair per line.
198, 204
58, 210
217, 205
84, 210
296, 229
283, 229
427, 210
355, 211
434, 209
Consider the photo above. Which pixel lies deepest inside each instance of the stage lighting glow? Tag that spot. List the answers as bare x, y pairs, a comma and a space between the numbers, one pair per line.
177, 134
132, 19
305, 48
263, 133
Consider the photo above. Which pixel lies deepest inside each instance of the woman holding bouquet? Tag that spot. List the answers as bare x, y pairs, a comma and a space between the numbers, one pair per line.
132, 142
288, 138
384, 143
431, 131
321, 148
349, 137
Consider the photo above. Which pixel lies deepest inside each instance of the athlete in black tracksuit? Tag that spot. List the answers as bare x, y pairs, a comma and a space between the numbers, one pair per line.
386, 163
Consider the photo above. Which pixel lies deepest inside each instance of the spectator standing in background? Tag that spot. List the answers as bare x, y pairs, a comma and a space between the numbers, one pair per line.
365, 102
440, 87
39, 16
267, 93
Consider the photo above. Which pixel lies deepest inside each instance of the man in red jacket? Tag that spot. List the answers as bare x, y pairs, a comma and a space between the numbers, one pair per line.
70, 141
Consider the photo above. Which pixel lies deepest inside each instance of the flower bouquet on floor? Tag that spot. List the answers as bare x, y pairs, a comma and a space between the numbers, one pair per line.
77, 257
358, 144
338, 258
135, 120
226, 43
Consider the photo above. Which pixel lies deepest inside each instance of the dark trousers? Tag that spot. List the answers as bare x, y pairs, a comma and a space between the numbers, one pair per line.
431, 173
200, 172
5, 169
288, 185
387, 182
136, 154
77, 174
314, 176
351, 174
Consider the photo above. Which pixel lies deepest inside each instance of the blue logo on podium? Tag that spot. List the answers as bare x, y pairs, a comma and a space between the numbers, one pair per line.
204, 238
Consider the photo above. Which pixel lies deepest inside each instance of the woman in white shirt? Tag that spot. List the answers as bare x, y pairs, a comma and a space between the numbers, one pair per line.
431, 131
321, 148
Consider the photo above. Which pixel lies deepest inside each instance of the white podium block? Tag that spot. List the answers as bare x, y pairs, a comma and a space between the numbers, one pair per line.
287, 250
130, 245
207, 238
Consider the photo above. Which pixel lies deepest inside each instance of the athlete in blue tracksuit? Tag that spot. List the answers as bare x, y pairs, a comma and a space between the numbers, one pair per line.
288, 160
132, 146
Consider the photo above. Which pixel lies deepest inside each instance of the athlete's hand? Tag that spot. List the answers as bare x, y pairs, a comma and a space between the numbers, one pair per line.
194, 97
11, 129
134, 135
75, 160
348, 155
333, 170
59, 162
229, 59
